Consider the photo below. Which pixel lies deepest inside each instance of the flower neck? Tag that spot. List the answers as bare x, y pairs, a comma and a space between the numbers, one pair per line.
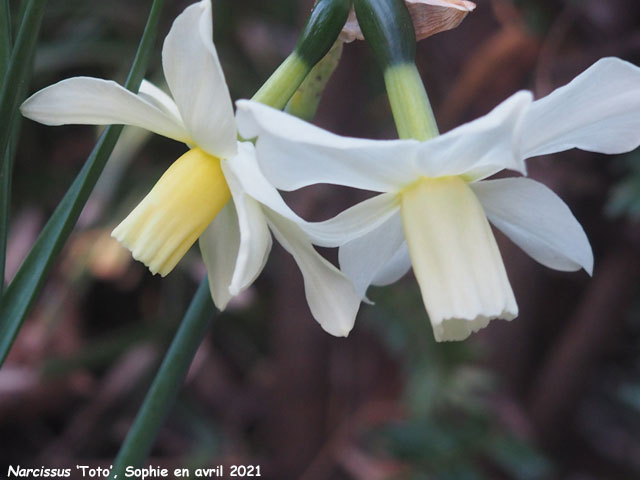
409, 102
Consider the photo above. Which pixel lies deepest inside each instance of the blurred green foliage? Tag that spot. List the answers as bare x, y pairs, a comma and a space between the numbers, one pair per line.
451, 430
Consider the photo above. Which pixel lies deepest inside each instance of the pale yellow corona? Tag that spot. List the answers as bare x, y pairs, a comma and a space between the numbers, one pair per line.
172, 216
455, 257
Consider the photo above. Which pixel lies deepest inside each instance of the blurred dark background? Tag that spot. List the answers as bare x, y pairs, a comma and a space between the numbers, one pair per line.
555, 394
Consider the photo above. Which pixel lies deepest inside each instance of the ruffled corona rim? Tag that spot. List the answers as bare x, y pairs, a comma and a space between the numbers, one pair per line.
168, 221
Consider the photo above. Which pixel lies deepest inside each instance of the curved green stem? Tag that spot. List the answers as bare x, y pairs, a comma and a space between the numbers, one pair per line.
388, 28
318, 36
167, 383
27, 283
304, 102
282, 83
409, 102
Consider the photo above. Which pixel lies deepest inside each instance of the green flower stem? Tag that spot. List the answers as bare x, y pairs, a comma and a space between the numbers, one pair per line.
24, 288
283, 83
388, 29
318, 36
304, 102
409, 102
167, 383
15, 67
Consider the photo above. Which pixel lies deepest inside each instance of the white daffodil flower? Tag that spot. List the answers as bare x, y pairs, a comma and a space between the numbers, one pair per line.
433, 214
209, 192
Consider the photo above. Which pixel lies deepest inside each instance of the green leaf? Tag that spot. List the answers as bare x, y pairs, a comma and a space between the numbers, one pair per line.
19, 67
27, 283
15, 67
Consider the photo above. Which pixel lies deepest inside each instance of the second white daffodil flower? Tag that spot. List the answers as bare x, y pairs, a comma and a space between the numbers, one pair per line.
433, 214
211, 191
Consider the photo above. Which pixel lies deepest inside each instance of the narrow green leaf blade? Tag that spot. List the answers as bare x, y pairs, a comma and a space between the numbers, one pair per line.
19, 67
15, 67
27, 283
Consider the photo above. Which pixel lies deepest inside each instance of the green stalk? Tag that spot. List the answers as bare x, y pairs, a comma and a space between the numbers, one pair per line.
304, 102
388, 29
290, 74
409, 102
318, 36
15, 67
167, 383
24, 288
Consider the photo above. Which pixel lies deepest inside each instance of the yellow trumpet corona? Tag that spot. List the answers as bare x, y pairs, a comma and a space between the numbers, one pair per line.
172, 216
455, 257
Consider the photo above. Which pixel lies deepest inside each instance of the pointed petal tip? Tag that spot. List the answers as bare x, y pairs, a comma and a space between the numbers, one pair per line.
341, 331
220, 304
588, 266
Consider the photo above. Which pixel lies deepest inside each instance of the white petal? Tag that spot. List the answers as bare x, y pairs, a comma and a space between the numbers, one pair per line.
219, 246
479, 148
537, 220
354, 222
331, 296
598, 111
159, 99
92, 101
244, 167
395, 268
255, 238
349, 224
196, 81
364, 258
293, 153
